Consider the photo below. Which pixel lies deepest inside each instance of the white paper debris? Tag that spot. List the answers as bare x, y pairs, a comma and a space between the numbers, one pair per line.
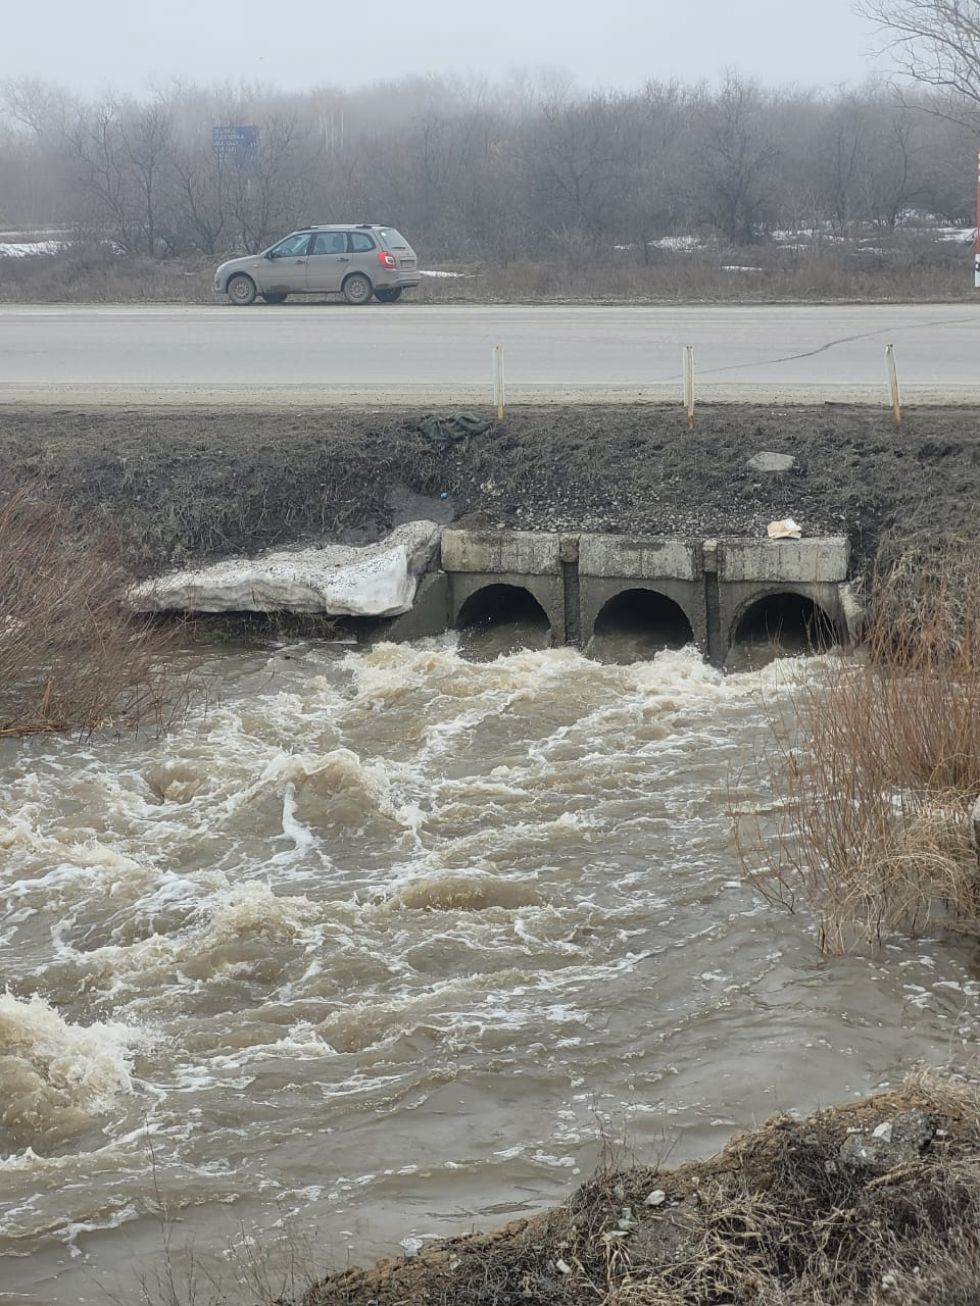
786, 529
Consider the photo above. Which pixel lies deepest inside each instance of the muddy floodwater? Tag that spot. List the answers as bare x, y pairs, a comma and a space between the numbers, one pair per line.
372, 947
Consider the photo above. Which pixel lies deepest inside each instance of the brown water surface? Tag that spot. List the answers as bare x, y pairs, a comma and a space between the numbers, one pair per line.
375, 945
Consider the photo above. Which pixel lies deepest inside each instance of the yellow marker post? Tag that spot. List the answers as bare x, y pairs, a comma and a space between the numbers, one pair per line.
498, 382
893, 390
689, 384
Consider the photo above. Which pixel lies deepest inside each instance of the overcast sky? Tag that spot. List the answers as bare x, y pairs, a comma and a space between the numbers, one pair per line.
91, 44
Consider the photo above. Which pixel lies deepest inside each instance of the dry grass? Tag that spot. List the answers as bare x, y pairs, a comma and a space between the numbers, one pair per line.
875, 763
95, 275
901, 267
71, 658
910, 270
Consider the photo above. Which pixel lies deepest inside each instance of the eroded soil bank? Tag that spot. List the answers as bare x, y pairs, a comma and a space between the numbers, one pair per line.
195, 484
875, 1202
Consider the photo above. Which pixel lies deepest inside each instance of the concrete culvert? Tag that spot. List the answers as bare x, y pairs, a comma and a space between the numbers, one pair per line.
780, 625
636, 625
501, 619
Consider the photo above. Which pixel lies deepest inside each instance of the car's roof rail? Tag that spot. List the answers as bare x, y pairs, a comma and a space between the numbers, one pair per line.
338, 226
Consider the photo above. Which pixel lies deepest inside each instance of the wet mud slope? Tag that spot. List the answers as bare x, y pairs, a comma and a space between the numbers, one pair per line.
196, 484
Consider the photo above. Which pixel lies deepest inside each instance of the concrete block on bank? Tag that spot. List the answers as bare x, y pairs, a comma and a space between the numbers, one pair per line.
530, 553
430, 614
789, 562
644, 558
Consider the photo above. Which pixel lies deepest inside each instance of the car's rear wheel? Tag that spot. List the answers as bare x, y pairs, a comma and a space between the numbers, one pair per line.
357, 289
241, 290
390, 296
274, 299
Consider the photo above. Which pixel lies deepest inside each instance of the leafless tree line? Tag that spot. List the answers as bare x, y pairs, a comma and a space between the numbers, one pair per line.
495, 173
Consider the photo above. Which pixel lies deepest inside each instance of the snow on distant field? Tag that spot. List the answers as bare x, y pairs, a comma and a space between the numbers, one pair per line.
684, 244
30, 248
967, 235
423, 273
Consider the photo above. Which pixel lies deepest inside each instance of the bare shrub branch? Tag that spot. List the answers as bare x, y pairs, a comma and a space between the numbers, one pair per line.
935, 42
875, 765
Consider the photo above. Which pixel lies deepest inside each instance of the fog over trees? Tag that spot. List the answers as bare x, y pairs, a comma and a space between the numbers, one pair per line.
522, 169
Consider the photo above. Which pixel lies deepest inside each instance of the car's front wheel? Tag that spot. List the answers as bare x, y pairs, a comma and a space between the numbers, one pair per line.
274, 299
241, 290
357, 289
388, 296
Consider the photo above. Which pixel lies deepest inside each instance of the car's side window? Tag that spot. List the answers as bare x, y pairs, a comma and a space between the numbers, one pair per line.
360, 242
330, 242
292, 246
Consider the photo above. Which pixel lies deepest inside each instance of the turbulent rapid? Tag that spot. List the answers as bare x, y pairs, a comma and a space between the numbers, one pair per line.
379, 942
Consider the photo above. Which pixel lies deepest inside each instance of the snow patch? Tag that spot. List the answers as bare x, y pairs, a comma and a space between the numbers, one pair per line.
30, 248
375, 580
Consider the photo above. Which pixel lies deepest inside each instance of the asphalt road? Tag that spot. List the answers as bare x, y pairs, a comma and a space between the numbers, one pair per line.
329, 353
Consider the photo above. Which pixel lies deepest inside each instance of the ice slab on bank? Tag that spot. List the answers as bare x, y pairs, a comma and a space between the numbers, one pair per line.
341, 580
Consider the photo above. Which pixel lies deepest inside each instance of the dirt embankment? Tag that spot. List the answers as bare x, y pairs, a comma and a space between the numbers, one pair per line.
870, 1204
185, 486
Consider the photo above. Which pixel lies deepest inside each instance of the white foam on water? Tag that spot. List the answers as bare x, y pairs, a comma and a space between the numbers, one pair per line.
301, 835
55, 1077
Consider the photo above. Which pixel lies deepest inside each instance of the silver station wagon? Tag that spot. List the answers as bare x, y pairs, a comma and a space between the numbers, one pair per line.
360, 262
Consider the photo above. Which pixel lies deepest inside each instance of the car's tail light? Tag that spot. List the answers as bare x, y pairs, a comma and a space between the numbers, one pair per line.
387, 260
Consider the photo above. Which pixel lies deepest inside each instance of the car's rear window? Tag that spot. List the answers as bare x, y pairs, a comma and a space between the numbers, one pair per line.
393, 239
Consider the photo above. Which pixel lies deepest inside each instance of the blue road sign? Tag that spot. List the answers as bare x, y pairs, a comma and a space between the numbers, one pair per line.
239, 145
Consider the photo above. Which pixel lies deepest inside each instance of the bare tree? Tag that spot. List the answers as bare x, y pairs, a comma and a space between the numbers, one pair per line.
840, 158
34, 104
891, 181
738, 155
199, 197
97, 154
579, 164
656, 204
37, 186
935, 42
146, 138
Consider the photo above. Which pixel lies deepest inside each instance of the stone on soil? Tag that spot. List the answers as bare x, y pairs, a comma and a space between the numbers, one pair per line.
893, 1143
771, 462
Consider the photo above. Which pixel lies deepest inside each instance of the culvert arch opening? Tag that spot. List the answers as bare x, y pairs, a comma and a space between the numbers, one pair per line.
781, 625
637, 624
501, 619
